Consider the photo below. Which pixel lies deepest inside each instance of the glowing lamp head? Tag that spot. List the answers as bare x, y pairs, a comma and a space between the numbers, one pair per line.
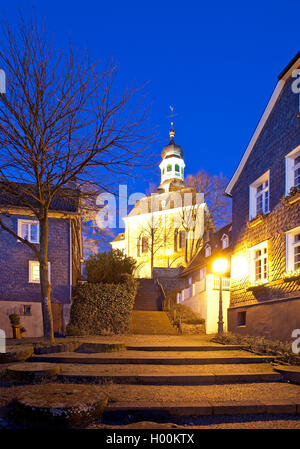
168, 252
220, 266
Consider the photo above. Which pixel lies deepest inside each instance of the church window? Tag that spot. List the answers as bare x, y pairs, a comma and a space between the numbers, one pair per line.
182, 170
177, 168
176, 240
181, 239
144, 245
169, 167
225, 241
163, 172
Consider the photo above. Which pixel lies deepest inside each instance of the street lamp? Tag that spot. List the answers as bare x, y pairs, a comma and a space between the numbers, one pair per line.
220, 267
168, 253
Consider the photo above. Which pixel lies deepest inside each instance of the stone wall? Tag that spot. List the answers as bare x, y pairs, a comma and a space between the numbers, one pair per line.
274, 320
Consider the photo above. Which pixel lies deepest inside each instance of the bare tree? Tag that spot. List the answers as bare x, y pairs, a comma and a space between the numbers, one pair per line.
61, 120
213, 188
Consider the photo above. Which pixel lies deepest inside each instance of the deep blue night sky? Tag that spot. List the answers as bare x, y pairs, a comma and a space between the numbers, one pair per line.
217, 62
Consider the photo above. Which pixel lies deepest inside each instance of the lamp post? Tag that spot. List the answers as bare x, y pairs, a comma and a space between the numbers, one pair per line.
220, 267
168, 253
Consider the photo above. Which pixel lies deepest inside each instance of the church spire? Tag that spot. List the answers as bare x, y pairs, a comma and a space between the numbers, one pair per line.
172, 164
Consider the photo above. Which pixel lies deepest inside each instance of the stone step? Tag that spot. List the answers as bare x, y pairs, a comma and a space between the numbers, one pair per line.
168, 375
160, 358
151, 322
185, 348
158, 403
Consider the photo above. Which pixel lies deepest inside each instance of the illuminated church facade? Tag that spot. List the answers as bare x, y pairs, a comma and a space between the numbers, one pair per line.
165, 229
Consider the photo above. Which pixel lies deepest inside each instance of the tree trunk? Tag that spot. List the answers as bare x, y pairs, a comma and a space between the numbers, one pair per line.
44, 280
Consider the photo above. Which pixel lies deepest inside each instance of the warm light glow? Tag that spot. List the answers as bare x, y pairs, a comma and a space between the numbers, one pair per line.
220, 266
168, 252
239, 267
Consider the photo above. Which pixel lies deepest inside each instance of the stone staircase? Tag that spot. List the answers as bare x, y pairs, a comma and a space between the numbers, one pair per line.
147, 315
179, 381
147, 297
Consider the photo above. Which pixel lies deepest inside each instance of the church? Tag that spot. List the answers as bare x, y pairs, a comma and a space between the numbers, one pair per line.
165, 229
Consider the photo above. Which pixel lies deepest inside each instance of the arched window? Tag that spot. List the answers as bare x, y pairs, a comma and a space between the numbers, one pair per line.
181, 239
169, 167
163, 171
138, 247
144, 244
225, 241
207, 251
182, 170
177, 169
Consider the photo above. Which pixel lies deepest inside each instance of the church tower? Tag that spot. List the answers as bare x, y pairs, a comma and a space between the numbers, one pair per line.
172, 166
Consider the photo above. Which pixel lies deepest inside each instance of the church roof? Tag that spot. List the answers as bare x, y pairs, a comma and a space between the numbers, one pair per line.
172, 149
154, 202
119, 237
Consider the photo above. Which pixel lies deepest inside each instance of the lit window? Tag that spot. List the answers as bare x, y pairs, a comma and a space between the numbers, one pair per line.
259, 262
207, 251
225, 241
177, 169
29, 230
259, 196
293, 249
292, 167
34, 271
169, 167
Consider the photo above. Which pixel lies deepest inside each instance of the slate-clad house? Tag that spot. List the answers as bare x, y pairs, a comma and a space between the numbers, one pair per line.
19, 269
265, 266
201, 285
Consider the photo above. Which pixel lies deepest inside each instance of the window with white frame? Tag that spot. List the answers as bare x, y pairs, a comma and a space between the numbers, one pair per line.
207, 251
292, 170
259, 196
34, 271
258, 256
293, 249
225, 241
29, 230
202, 273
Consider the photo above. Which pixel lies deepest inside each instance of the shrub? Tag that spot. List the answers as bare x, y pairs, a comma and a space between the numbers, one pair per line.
187, 315
99, 307
109, 267
14, 319
260, 345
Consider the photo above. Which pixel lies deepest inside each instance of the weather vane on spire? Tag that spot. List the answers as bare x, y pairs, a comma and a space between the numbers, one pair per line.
172, 115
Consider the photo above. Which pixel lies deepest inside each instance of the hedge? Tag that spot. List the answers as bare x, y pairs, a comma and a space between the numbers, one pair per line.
102, 308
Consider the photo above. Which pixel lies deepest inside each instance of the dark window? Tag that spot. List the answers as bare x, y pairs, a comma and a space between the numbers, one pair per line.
181, 239
144, 245
177, 169
26, 310
241, 318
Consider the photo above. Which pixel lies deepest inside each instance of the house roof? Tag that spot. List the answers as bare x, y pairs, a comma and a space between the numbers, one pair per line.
282, 78
215, 242
68, 201
119, 237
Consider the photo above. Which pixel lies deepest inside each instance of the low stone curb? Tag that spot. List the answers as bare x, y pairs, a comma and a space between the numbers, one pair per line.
93, 348
16, 355
59, 406
32, 372
54, 349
